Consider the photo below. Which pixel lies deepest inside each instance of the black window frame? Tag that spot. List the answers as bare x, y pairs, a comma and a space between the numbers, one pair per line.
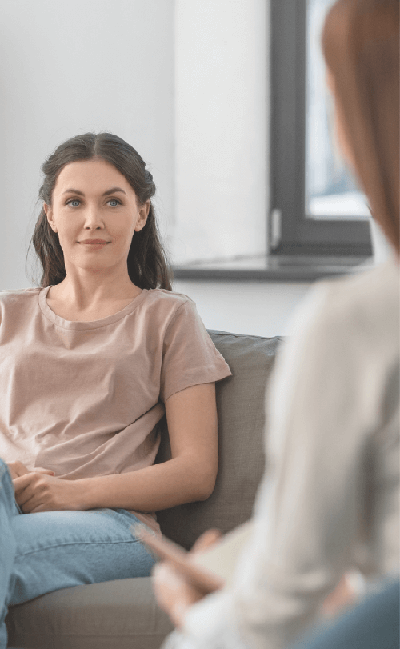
299, 234
298, 248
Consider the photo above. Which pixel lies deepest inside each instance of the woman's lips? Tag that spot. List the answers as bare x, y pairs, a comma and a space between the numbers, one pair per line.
95, 246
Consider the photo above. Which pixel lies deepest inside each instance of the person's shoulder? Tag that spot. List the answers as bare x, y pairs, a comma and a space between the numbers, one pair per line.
377, 280
364, 306
167, 301
164, 310
172, 297
16, 299
371, 295
11, 296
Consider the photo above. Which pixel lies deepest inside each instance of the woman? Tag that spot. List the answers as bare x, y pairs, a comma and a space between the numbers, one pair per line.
330, 500
90, 361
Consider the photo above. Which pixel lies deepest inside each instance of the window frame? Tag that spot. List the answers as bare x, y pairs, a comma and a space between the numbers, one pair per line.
299, 235
299, 249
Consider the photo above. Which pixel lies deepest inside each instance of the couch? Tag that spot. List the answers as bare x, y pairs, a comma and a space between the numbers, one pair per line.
123, 614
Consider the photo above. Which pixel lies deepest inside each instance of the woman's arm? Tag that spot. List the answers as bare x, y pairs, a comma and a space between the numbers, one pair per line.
190, 473
187, 477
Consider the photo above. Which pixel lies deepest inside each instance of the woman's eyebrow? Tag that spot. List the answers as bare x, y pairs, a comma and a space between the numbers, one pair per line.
113, 190
106, 193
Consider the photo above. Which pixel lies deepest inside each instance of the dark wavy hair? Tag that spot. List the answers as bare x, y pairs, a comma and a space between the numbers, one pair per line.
147, 262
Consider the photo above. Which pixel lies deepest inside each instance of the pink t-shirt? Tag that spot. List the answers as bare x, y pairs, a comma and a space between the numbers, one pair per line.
84, 398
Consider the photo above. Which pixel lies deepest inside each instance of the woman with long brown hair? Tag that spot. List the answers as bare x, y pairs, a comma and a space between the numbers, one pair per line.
329, 500
90, 362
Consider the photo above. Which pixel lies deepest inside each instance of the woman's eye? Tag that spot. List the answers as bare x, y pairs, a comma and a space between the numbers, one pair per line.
75, 202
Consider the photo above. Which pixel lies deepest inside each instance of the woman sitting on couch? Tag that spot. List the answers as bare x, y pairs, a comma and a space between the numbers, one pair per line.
90, 361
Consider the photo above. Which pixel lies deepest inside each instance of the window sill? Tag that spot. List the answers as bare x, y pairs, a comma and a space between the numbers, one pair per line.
273, 269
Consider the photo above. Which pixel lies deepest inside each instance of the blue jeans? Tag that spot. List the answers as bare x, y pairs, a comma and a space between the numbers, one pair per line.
47, 551
373, 624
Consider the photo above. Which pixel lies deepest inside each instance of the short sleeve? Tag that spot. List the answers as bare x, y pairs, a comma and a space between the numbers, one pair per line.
189, 355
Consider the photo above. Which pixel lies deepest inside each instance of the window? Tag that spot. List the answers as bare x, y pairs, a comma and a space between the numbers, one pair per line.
330, 188
239, 118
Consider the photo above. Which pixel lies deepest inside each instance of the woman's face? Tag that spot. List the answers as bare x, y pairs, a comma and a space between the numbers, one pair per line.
93, 200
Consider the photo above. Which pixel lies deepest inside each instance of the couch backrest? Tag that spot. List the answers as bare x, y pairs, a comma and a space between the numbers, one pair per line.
241, 402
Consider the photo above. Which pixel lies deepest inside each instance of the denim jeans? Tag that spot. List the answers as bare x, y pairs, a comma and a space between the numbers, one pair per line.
46, 551
373, 624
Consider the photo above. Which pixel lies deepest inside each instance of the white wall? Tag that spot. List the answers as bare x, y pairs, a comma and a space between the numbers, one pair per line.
90, 65
221, 160
72, 67
262, 309
221, 118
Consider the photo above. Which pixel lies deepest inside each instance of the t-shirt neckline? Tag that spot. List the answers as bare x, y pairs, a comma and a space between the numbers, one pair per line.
91, 324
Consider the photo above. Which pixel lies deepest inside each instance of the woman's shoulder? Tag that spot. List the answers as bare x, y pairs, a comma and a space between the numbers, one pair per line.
370, 297
17, 295
168, 301
16, 300
169, 311
170, 296
362, 309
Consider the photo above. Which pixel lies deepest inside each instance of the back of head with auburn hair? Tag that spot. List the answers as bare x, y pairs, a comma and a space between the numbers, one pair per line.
360, 43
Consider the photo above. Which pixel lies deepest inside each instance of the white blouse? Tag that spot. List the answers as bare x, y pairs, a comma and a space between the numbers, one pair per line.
329, 501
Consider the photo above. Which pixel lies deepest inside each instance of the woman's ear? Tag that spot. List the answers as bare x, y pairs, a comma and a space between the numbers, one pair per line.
49, 215
143, 214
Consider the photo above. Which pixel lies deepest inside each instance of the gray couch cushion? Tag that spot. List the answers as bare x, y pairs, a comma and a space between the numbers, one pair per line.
120, 614
241, 402
123, 614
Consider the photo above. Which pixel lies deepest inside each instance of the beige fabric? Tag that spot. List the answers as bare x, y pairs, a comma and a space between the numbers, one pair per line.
84, 398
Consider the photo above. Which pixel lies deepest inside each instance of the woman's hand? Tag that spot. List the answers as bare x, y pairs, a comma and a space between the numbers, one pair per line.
17, 469
340, 598
38, 492
175, 594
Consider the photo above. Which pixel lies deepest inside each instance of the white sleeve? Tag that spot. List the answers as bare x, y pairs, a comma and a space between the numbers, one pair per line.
307, 507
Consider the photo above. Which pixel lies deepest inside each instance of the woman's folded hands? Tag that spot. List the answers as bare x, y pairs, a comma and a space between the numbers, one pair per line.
39, 490
17, 469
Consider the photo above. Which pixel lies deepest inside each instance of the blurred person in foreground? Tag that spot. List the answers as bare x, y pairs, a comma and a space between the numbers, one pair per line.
328, 503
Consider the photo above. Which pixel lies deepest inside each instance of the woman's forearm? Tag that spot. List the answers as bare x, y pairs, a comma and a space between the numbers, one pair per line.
156, 487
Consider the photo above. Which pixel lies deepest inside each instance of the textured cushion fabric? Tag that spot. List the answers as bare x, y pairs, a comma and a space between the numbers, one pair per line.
120, 614
241, 402
123, 613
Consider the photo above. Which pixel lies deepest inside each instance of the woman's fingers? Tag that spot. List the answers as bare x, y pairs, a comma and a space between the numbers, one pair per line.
46, 471
17, 469
341, 597
206, 540
174, 593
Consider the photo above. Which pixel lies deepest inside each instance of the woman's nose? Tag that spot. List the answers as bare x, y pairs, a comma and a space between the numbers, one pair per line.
93, 218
